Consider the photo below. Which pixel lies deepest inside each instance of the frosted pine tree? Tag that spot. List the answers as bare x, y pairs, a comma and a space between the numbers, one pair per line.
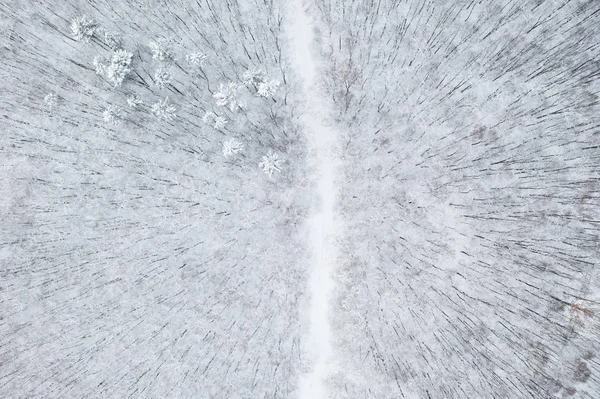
99, 65
83, 28
268, 88
198, 59
209, 118
253, 77
118, 68
134, 101
112, 115
51, 100
258, 80
162, 77
232, 147
162, 50
220, 122
113, 40
164, 110
227, 96
270, 163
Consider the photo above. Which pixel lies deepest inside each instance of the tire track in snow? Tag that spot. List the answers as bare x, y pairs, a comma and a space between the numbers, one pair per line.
322, 222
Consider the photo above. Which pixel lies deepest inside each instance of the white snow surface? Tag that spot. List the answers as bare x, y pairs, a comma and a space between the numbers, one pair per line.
322, 224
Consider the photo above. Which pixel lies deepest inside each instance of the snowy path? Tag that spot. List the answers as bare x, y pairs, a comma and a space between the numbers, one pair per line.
321, 223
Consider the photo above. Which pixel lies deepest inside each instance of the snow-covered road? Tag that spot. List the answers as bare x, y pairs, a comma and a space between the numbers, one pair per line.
322, 226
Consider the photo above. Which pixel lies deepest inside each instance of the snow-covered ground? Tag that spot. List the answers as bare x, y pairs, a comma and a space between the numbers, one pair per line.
322, 222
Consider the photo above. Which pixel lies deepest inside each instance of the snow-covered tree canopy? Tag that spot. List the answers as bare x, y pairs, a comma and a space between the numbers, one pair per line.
117, 69
228, 96
164, 109
232, 147
83, 28
162, 49
469, 136
129, 260
270, 163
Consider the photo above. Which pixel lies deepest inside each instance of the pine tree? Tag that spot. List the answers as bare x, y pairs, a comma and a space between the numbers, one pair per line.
198, 59
164, 110
83, 28
162, 49
268, 88
112, 115
253, 77
134, 101
118, 68
232, 147
227, 96
270, 163
162, 77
